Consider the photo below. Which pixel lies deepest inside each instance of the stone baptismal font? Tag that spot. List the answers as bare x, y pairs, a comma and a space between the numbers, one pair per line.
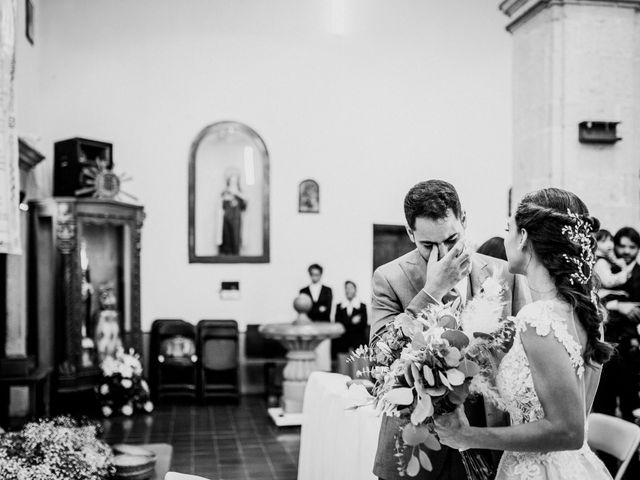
300, 338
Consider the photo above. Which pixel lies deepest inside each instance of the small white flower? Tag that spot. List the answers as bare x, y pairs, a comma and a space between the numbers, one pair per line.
127, 410
492, 288
126, 383
148, 406
106, 411
104, 389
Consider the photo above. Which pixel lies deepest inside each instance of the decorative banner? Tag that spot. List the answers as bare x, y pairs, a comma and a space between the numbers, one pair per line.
9, 167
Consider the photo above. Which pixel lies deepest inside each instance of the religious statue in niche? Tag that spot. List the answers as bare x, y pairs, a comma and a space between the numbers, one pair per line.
108, 340
233, 204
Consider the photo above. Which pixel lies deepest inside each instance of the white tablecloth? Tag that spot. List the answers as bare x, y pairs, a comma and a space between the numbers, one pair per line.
335, 443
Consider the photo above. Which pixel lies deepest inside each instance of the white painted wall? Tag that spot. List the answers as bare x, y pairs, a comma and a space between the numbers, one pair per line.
414, 89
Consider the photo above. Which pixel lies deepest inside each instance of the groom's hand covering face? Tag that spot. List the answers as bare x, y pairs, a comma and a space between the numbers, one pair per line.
441, 243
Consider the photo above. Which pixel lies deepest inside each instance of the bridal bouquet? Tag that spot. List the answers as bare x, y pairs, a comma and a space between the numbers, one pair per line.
427, 365
123, 388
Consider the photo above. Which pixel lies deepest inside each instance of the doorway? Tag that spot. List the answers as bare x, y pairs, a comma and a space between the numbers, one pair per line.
389, 243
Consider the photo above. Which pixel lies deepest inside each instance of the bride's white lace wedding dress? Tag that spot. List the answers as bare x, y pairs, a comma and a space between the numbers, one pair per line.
516, 388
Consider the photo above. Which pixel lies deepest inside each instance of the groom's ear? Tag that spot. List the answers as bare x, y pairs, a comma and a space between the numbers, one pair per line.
410, 233
463, 219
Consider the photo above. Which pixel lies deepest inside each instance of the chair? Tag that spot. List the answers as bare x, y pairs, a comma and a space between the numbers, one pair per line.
218, 352
173, 359
614, 436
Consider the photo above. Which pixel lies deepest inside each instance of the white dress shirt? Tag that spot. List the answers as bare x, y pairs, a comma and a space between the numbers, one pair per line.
315, 288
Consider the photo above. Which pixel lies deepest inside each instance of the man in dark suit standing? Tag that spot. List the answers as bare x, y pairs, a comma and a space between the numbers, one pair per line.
321, 295
439, 270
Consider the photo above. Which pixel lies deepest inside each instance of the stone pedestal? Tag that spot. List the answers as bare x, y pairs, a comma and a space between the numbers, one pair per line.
300, 338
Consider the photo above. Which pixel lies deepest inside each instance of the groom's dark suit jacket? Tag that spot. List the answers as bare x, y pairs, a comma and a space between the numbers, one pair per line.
397, 288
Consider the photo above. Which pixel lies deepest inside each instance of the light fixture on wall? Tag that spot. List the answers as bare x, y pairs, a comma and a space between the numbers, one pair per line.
598, 132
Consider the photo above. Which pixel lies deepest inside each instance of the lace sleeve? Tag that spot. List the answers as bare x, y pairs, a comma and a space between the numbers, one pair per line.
542, 317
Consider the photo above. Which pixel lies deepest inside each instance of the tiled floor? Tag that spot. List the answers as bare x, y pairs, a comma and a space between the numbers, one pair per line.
216, 441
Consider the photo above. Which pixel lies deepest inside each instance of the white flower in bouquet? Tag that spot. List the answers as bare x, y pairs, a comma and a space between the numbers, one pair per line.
484, 312
126, 383
492, 288
127, 410
144, 385
109, 366
126, 371
148, 406
104, 389
106, 411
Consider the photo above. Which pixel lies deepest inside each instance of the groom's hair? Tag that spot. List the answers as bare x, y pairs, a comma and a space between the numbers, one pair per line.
431, 199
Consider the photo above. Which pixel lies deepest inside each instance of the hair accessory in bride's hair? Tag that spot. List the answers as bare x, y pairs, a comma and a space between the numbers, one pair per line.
579, 232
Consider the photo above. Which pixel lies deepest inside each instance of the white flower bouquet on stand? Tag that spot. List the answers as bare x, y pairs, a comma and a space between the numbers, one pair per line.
123, 389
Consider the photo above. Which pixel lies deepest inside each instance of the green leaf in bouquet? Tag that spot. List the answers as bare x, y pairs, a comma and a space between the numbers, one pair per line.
413, 467
455, 377
400, 396
436, 391
432, 443
408, 374
423, 408
419, 341
469, 368
456, 338
414, 435
424, 461
428, 375
453, 357
444, 380
407, 324
447, 320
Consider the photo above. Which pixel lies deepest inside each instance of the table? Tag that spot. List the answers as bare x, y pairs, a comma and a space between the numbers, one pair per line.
39, 384
334, 442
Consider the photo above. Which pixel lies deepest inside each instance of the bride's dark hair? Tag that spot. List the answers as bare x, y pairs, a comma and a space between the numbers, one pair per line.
545, 214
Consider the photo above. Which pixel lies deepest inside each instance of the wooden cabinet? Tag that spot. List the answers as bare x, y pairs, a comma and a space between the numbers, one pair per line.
83, 248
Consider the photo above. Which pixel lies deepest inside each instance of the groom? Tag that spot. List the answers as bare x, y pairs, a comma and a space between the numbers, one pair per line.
440, 269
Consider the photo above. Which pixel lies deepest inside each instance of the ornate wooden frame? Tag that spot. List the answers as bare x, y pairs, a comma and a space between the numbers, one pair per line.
68, 214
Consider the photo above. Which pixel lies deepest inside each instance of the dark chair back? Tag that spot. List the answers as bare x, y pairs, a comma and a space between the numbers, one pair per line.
218, 351
172, 357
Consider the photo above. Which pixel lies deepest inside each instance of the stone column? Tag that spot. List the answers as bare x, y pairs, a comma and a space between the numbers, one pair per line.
577, 61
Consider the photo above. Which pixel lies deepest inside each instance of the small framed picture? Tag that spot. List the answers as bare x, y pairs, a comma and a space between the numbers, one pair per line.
29, 22
309, 197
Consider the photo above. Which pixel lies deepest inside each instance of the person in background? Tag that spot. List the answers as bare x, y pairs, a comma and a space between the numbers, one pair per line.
321, 295
494, 247
612, 272
352, 314
620, 376
619, 382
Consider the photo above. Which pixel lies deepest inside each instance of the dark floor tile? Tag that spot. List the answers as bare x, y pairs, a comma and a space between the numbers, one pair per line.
216, 441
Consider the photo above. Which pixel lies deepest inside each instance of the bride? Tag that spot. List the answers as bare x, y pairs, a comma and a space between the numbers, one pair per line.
548, 379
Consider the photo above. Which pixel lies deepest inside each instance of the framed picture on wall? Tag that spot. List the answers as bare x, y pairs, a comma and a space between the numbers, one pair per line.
29, 21
228, 196
309, 197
